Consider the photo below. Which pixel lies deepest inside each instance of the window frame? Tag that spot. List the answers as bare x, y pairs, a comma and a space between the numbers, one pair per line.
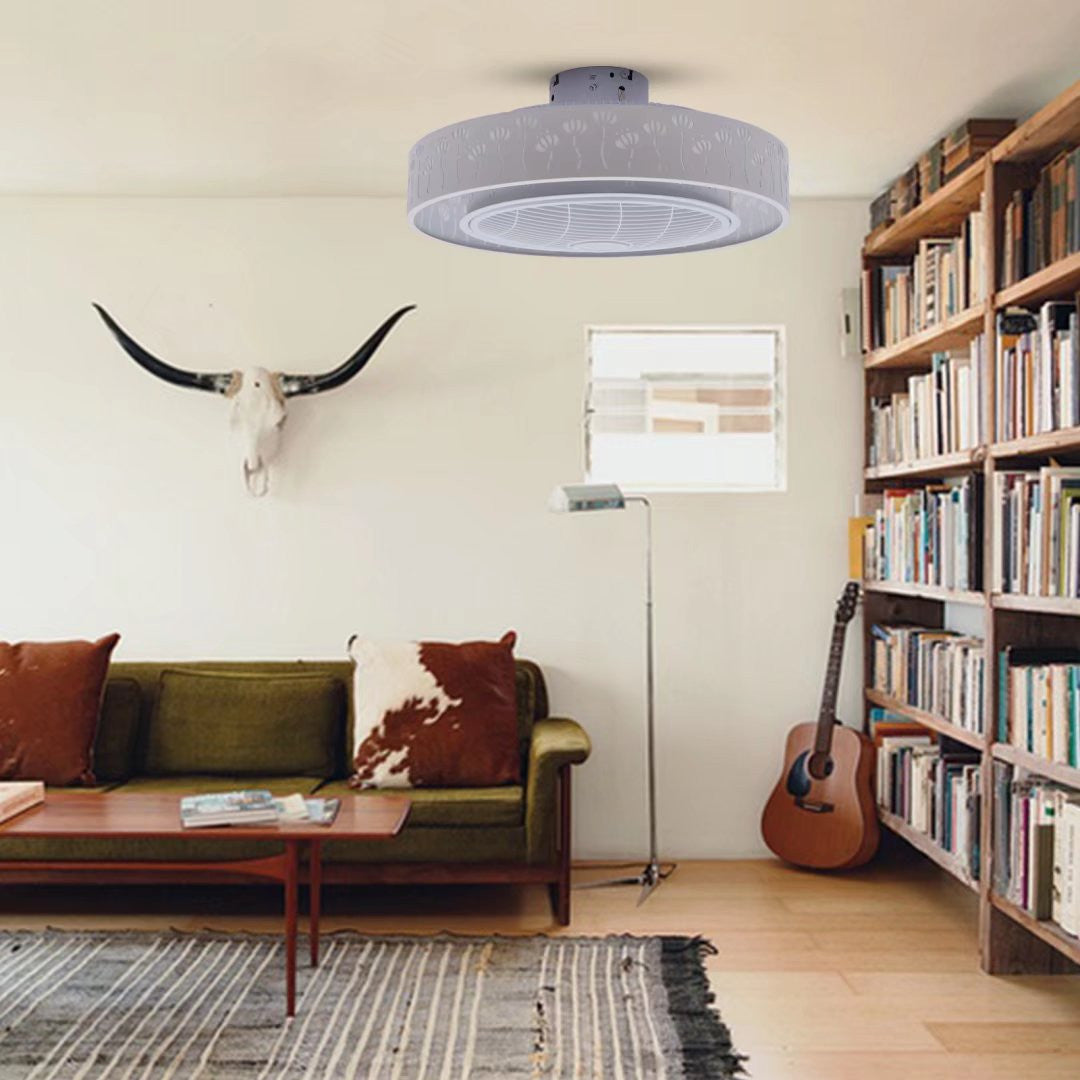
780, 405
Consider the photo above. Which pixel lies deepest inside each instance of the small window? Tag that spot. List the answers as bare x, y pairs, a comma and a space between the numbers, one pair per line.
686, 408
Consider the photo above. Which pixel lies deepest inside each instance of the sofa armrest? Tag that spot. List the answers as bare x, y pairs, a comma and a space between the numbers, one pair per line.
555, 742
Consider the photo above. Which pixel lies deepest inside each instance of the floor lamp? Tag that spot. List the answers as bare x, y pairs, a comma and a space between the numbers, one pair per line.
570, 499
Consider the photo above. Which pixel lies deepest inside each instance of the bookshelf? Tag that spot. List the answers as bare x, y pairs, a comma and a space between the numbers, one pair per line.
1010, 939
917, 349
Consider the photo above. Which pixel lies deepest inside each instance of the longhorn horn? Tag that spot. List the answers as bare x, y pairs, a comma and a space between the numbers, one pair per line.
216, 382
294, 385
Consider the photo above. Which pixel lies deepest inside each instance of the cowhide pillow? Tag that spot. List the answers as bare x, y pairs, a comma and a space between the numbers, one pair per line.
429, 714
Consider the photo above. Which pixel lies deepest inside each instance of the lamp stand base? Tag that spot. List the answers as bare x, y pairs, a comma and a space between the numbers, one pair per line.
649, 878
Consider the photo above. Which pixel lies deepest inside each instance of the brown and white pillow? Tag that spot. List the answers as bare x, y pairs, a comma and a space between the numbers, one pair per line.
432, 714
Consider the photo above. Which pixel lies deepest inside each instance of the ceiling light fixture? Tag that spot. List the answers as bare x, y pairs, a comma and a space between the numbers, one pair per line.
598, 170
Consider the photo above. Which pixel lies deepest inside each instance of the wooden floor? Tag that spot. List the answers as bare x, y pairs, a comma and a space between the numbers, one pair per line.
868, 975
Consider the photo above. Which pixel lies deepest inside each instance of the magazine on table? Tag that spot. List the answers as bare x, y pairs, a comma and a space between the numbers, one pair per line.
254, 807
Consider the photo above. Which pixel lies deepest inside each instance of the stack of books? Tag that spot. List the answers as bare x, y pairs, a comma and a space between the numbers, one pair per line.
1037, 531
1037, 846
935, 670
253, 807
17, 796
1039, 701
969, 142
1035, 371
947, 275
941, 413
936, 792
1042, 223
945, 159
926, 536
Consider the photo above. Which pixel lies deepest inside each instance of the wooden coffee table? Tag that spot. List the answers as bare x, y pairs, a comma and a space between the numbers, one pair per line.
74, 815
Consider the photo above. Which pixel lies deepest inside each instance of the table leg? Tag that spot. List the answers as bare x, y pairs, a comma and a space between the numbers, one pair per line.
292, 875
315, 897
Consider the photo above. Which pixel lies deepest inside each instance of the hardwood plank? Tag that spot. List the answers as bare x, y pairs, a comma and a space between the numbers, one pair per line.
1058, 281
848, 1065
1054, 127
939, 215
926, 592
930, 720
942, 465
1055, 770
916, 350
1044, 605
991, 1036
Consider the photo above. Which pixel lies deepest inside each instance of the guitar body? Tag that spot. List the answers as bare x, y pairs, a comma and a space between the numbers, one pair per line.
829, 823
821, 813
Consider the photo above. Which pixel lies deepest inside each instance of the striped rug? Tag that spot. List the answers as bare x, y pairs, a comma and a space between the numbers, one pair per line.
168, 1006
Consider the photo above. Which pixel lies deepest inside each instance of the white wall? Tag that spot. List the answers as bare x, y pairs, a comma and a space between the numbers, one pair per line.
412, 502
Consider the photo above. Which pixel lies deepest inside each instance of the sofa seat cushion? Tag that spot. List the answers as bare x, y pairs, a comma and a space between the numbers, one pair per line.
278, 786
238, 724
449, 807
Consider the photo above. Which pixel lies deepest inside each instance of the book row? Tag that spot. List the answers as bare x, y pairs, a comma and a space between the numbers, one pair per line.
1042, 222
934, 670
1037, 531
1039, 701
1035, 370
936, 792
1036, 841
946, 158
946, 276
940, 413
926, 536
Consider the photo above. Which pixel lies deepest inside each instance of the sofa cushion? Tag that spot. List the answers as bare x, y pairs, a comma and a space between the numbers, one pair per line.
244, 725
118, 731
50, 701
482, 806
279, 786
432, 714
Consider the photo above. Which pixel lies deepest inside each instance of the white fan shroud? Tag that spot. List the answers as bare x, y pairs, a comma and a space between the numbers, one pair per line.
546, 179
592, 223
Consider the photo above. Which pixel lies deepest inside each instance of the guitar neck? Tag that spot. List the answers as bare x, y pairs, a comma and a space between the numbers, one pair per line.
827, 712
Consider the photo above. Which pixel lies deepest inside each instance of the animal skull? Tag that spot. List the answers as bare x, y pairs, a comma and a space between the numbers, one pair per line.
258, 396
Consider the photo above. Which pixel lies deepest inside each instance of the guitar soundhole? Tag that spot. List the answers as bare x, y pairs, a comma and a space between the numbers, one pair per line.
820, 766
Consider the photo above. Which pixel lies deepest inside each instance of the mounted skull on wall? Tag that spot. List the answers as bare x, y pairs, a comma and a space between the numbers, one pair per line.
258, 396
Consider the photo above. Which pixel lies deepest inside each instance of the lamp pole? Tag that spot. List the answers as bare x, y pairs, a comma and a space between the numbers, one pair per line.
650, 876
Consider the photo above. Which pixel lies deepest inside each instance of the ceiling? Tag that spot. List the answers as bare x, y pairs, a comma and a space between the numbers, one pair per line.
324, 97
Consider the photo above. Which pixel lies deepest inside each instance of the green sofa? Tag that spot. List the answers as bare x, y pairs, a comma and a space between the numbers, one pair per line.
235, 726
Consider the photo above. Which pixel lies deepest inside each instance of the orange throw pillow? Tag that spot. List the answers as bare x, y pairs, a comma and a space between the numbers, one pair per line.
50, 703
429, 714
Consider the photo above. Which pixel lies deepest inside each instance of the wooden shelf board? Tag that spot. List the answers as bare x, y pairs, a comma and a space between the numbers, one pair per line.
926, 592
929, 720
961, 461
1054, 770
1043, 605
916, 351
1054, 127
922, 843
1058, 281
1048, 442
941, 214
1049, 932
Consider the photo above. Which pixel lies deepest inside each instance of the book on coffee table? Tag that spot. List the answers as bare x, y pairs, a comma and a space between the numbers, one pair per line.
253, 807
317, 811
19, 795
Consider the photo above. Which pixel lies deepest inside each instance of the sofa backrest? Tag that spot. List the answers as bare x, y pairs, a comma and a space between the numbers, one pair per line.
131, 699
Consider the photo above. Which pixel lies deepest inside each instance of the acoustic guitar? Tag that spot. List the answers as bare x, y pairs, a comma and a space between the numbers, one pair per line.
821, 813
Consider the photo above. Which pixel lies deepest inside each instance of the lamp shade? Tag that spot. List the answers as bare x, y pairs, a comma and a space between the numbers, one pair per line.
570, 498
